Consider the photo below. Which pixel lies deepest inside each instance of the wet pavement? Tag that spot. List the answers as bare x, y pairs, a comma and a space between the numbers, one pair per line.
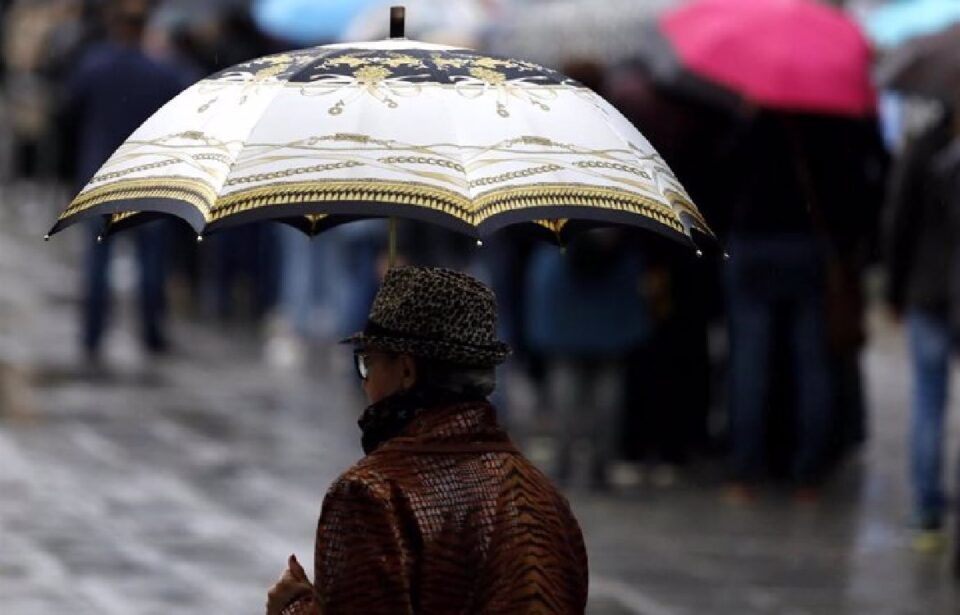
181, 485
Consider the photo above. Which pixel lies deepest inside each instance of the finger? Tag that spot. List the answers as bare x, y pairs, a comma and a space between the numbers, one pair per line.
296, 569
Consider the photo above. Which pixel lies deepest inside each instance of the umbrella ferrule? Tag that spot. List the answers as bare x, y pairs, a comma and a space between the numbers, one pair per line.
398, 16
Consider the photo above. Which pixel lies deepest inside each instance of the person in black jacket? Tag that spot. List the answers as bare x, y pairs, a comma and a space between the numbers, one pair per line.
921, 237
801, 214
115, 87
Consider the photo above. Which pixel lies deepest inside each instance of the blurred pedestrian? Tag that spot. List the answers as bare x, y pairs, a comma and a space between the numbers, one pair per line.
326, 286
670, 419
585, 312
304, 296
38, 39
115, 87
667, 387
443, 515
240, 267
778, 270
851, 166
921, 258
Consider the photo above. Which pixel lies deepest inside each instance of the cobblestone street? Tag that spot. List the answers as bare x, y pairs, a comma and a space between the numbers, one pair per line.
181, 485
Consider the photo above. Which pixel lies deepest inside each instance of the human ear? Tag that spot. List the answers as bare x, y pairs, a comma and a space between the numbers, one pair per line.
408, 371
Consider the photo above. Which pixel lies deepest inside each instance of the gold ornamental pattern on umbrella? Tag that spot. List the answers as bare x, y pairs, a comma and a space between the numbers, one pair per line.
389, 129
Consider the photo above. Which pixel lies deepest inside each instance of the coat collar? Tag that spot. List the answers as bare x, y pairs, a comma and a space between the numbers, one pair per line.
469, 423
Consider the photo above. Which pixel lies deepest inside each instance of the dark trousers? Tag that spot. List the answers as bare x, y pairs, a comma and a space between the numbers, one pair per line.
930, 346
766, 278
150, 241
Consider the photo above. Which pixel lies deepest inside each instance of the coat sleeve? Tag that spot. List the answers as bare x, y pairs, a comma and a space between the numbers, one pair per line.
900, 225
575, 540
362, 559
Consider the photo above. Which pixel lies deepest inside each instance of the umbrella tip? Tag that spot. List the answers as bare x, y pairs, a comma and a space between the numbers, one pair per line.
99, 238
398, 15
199, 238
699, 253
46, 237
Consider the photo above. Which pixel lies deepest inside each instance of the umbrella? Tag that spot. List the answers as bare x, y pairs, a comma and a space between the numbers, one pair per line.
927, 66
896, 22
558, 31
306, 22
791, 55
390, 129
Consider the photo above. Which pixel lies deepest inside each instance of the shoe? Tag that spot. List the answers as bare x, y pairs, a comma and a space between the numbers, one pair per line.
599, 480
92, 366
156, 345
739, 494
285, 351
664, 476
625, 475
929, 541
926, 522
807, 495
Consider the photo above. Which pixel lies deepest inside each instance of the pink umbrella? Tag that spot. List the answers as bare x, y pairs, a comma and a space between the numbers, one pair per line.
793, 55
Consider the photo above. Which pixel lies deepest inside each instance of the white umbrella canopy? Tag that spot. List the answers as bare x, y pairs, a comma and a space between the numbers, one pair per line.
395, 128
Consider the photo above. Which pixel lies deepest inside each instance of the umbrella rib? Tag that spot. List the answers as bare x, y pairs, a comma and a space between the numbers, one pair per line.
462, 161
630, 147
236, 160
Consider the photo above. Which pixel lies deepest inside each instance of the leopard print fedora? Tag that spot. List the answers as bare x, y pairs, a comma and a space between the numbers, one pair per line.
436, 314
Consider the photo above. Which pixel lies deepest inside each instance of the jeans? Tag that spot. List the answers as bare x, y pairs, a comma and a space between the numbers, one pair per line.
766, 278
587, 396
150, 240
310, 273
929, 336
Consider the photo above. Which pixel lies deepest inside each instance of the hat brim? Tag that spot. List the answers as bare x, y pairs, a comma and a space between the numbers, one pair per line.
437, 350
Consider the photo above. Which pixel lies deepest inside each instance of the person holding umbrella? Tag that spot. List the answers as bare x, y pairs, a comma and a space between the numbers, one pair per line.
805, 152
444, 514
113, 89
922, 241
922, 236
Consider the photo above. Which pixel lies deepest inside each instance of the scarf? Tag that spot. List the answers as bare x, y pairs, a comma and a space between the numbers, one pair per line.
390, 416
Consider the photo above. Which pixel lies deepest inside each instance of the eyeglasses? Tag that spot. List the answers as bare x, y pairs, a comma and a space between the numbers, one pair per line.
362, 362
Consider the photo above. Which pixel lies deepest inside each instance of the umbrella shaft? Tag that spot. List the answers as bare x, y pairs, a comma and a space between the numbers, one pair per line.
392, 244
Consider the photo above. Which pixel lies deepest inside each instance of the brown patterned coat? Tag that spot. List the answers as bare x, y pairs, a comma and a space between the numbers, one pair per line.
447, 518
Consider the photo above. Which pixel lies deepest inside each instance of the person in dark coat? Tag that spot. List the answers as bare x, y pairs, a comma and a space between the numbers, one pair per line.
585, 312
443, 515
921, 242
114, 89
801, 232
670, 419
777, 269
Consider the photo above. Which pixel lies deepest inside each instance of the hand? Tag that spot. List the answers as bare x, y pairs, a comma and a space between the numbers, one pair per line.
293, 584
383, 264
